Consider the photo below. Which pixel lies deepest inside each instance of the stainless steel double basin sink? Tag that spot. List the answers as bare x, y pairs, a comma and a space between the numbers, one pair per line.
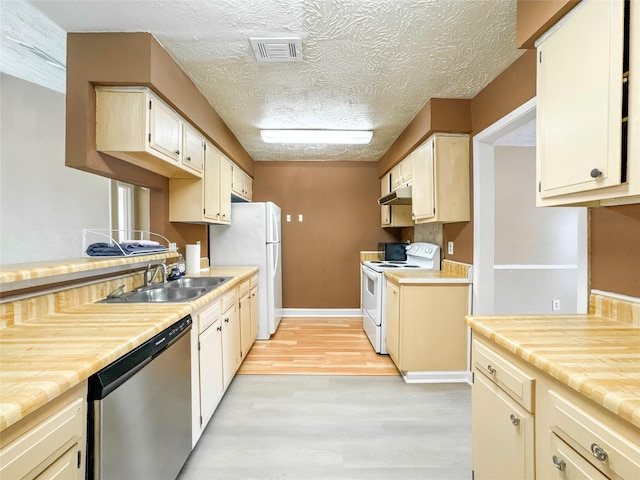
185, 289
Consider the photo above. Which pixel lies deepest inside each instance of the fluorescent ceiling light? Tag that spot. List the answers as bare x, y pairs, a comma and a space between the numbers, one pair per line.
317, 136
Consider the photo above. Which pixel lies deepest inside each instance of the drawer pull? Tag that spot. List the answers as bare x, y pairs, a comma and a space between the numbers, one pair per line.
559, 463
599, 452
491, 369
514, 420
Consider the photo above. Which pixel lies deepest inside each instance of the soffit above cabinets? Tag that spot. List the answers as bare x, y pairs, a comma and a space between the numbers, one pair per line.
367, 64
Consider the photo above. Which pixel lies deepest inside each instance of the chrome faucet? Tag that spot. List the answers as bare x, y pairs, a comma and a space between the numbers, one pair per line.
150, 275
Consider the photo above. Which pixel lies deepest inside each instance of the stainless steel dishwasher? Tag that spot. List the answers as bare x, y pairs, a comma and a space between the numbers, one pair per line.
140, 410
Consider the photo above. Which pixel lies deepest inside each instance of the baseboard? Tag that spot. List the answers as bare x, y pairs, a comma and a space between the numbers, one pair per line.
321, 312
437, 377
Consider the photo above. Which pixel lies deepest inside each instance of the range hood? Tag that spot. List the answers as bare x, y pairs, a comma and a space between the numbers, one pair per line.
400, 196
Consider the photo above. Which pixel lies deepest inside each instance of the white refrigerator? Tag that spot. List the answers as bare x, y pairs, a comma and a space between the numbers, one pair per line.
253, 238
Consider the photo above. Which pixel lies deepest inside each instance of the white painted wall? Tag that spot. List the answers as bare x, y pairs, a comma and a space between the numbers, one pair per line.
44, 205
536, 249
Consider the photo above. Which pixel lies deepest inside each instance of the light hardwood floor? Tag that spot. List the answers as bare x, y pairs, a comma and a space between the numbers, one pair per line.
317, 346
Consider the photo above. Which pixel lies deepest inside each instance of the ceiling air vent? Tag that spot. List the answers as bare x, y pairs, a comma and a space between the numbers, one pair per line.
286, 49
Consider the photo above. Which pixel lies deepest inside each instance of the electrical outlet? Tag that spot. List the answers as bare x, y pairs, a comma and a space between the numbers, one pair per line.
300, 217
288, 218
450, 248
555, 305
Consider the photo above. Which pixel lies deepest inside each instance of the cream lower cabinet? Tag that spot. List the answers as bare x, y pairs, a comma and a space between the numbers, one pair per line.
50, 443
254, 307
588, 106
502, 428
425, 326
206, 200
248, 311
207, 366
231, 346
571, 436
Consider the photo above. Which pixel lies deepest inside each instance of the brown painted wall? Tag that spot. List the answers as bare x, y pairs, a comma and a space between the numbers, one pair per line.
534, 17
320, 256
438, 115
615, 249
136, 59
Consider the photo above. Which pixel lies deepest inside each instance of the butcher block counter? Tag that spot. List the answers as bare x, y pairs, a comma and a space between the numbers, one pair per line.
593, 355
44, 356
425, 276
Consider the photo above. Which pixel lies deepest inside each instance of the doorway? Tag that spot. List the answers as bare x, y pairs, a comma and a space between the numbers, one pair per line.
527, 260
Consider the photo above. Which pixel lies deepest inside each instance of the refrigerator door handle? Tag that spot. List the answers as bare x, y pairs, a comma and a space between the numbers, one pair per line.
275, 231
276, 259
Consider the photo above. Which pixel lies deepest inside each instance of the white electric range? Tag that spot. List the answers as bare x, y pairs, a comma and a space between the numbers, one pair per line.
420, 256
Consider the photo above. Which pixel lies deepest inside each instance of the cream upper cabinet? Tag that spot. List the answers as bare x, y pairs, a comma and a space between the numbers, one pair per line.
402, 173
441, 179
193, 148
396, 215
206, 200
425, 326
135, 125
241, 184
588, 107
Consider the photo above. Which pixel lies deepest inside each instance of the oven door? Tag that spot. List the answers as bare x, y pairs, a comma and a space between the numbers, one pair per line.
371, 294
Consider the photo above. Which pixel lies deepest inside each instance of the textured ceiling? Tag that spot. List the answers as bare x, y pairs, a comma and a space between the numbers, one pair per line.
368, 64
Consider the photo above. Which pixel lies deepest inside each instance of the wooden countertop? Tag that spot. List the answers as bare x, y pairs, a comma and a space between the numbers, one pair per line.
48, 355
597, 357
424, 277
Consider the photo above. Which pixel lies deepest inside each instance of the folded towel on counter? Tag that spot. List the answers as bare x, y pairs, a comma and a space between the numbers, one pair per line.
146, 243
102, 249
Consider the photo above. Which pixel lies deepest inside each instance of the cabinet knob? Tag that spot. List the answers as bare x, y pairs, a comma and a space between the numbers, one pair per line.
177, 152
188, 159
226, 320
599, 452
595, 173
224, 215
559, 463
219, 328
491, 369
515, 421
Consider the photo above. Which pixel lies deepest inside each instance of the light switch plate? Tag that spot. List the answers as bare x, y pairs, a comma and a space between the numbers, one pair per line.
288, 218
300, 217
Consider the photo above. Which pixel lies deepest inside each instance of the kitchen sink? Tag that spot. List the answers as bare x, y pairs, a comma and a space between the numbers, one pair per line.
198, 282
184, 289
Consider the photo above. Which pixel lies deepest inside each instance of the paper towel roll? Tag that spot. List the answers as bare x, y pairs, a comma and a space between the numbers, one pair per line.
193, 259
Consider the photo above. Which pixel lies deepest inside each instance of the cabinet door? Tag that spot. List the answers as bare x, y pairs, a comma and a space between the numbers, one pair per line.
65, 467
212, 184
193, 146
393, 323
225, 189
502, 434
254, 314
230, 344
423, 206
210, 361
385, 210
245, 323
248, 187
579, 101
165, 129
237, 180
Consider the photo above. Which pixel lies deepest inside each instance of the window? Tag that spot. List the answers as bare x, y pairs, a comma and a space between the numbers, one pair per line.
130, 210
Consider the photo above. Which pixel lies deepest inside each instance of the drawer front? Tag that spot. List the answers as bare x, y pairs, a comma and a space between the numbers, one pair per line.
209, 315
609, 451
568, 465
53, 436
254, 281
505, 374
229, 300
244, 287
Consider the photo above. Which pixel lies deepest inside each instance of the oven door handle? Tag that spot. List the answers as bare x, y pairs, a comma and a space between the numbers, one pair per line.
368, 274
